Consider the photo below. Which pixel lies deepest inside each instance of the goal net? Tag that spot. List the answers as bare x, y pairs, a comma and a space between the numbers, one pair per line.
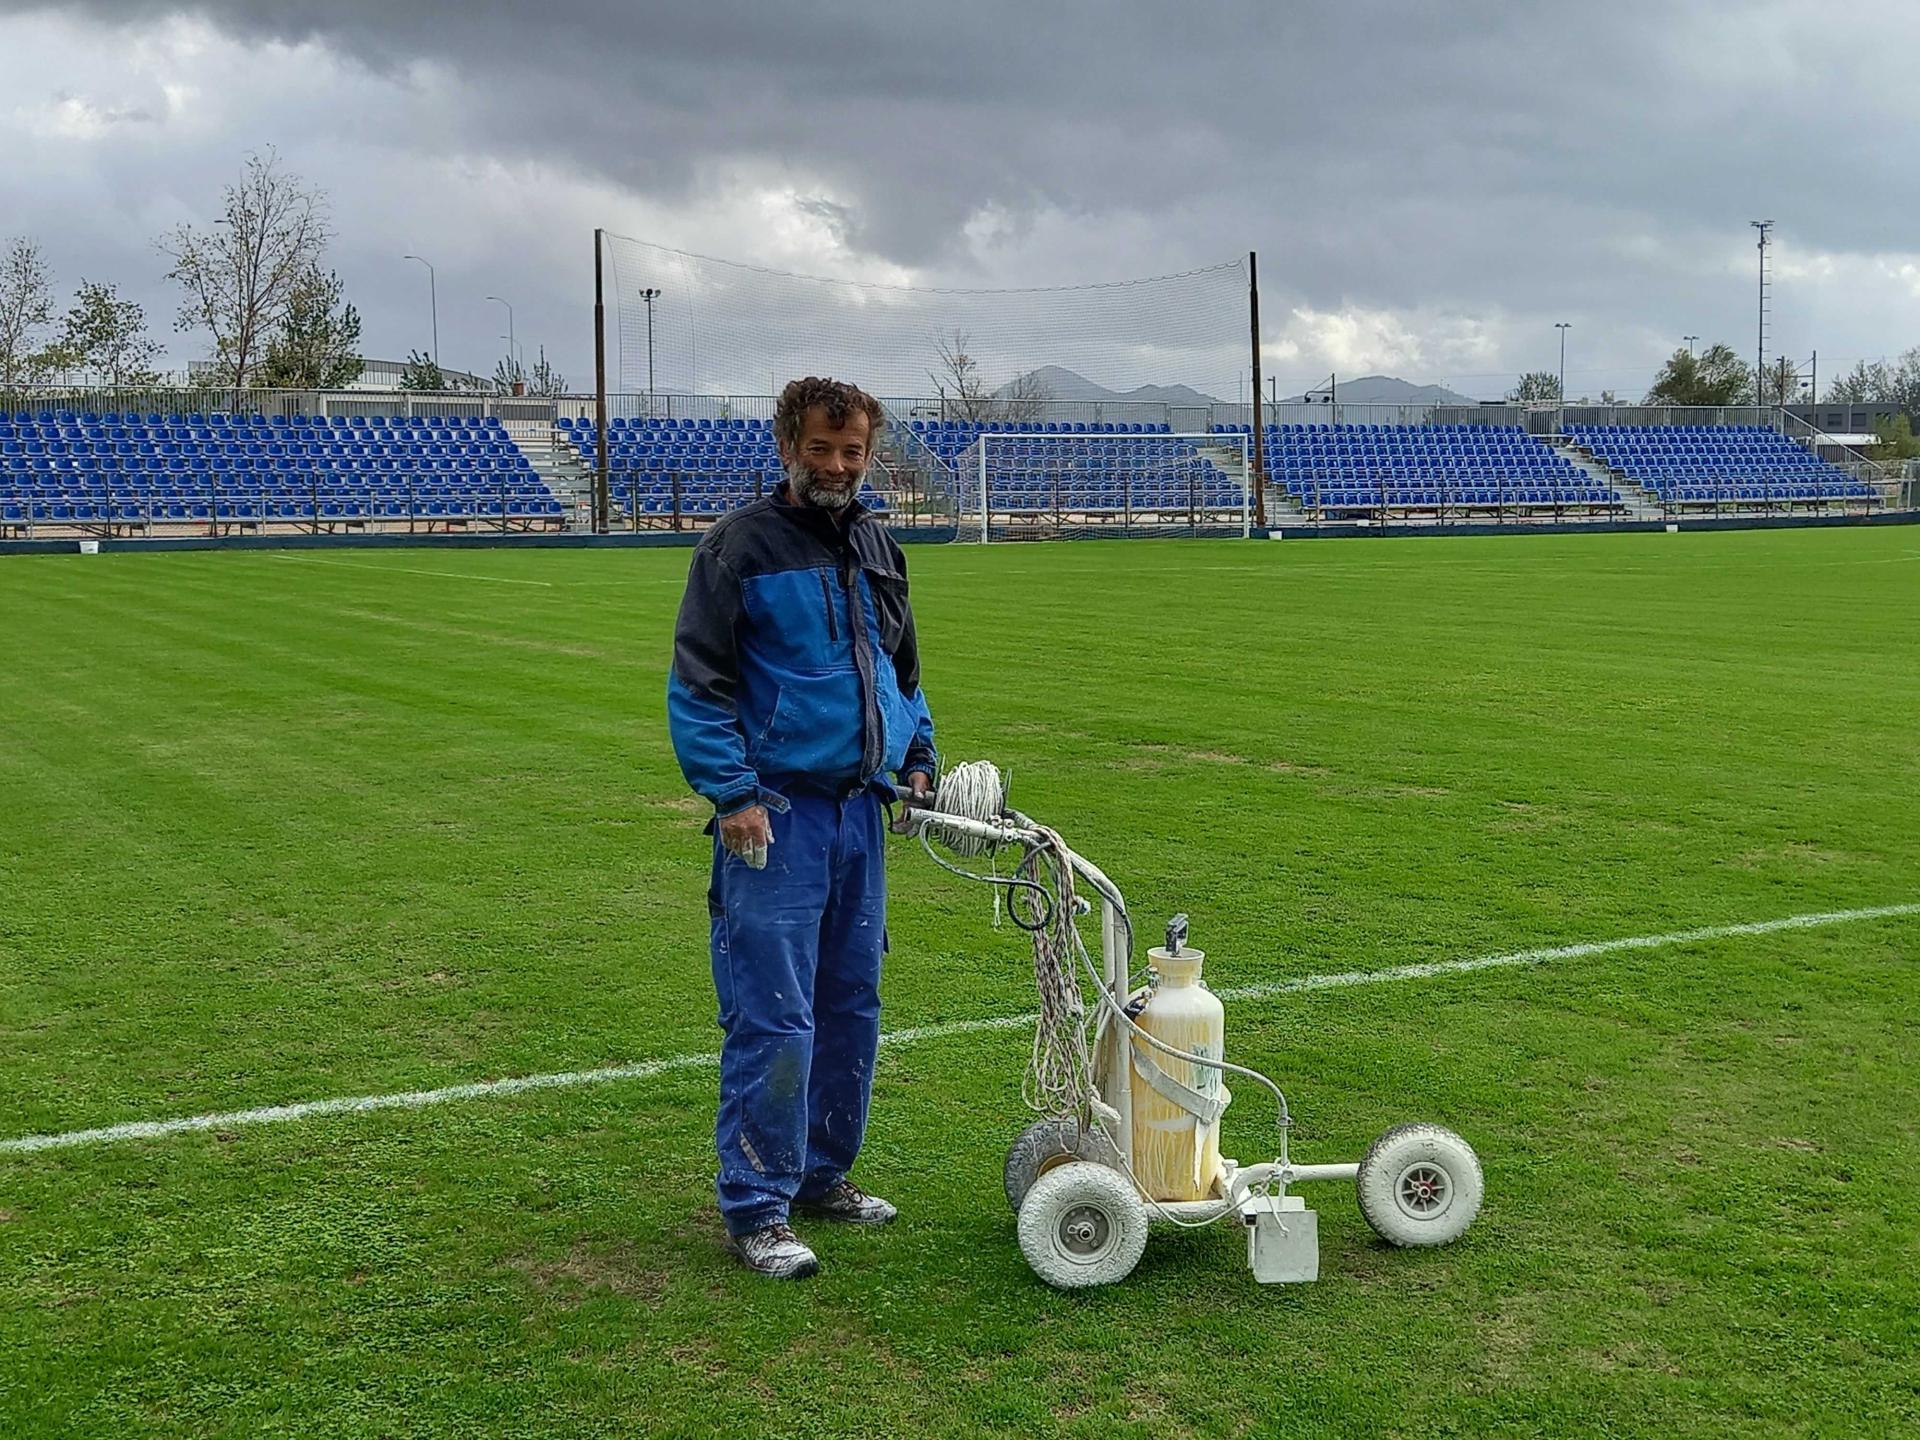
1087, 480
703, 338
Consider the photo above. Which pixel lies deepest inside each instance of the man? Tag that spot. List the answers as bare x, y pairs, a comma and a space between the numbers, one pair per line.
795, 692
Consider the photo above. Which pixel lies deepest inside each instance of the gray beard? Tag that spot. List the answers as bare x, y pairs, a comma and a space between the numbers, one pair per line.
809, 491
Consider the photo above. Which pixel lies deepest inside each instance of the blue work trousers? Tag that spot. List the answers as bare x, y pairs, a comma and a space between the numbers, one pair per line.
796, 965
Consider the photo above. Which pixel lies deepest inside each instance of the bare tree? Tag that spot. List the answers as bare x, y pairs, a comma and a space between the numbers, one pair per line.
964, 394
26, 310
956, 379
1023, 398
240, 274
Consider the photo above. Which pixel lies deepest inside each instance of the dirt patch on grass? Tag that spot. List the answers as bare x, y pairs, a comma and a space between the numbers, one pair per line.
1294, 767
590, 1266
7, 1217
1800, 855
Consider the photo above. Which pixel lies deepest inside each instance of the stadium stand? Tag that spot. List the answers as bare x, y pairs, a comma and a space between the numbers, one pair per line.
145, 471
1425, 467
693, 468
1719, 465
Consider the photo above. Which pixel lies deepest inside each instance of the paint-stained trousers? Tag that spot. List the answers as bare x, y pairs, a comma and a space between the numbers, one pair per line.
796, 964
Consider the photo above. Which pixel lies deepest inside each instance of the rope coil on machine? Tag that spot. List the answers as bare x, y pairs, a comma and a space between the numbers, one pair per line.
1041, 898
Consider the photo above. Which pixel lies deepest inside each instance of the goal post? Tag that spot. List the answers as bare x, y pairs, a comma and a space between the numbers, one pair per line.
1019, 484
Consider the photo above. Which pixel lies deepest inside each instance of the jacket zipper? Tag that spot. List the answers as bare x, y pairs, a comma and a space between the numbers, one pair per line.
871, 740
826, 594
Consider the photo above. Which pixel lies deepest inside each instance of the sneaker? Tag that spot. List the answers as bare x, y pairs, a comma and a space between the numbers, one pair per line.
776, 1252
848, 1202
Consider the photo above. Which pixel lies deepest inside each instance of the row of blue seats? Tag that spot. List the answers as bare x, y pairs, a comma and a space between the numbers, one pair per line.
1401, 496
586, 423
82, 512
223, 417
973, 428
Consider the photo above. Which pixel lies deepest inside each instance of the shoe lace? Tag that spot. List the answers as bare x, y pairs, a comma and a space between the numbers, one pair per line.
782, 1235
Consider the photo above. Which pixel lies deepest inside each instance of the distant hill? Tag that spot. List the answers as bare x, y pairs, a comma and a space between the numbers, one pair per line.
1059, 383
1386, 390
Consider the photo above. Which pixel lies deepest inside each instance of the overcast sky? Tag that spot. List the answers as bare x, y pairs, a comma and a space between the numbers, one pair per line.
1429, 186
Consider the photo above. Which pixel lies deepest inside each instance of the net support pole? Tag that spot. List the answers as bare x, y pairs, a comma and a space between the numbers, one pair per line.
602, 510
1259, 476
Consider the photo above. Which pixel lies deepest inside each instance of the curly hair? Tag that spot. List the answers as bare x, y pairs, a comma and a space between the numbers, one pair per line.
840, 400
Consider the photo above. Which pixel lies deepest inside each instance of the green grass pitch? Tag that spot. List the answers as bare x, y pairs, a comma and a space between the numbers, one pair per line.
286, 827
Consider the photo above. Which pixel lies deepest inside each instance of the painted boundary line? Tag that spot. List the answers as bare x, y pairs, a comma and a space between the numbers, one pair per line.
647, 1069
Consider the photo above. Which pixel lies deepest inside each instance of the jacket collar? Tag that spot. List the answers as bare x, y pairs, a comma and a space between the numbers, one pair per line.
832, 522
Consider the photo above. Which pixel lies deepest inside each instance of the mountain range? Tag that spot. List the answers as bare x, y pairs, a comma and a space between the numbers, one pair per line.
1056, 382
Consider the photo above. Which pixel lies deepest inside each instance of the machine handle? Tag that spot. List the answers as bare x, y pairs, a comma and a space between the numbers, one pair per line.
1176, 933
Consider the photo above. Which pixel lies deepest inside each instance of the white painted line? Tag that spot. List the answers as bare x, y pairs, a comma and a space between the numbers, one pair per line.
405, 570
647, 1069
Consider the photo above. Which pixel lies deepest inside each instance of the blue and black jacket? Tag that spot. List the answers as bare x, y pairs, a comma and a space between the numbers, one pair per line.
794, 659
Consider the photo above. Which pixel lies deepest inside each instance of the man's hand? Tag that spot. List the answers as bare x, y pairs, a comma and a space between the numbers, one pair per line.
919, 784
748, 833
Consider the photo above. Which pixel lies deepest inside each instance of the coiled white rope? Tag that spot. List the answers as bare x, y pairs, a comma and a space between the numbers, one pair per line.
1041, 900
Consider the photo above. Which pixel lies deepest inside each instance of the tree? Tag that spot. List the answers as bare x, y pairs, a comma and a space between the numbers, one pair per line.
26, 310
964, 394
423, 372
545, 380
1607, 397
508, 373
1716, 376
956, 379
1863, 384
240, 275
1536, 385
316, 345
1780, 383
1896, 439
105, 338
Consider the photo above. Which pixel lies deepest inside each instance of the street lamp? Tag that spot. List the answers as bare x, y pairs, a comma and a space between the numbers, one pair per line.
433, 300
650, 294
1563, 326
1689, 339
509, 335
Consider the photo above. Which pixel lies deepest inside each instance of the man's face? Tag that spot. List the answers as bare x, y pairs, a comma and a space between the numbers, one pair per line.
825, 465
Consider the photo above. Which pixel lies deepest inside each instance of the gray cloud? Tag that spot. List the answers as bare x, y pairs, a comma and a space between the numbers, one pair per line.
1459, 176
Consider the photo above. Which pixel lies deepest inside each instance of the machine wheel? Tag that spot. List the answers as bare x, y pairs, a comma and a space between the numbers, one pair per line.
1046, 1145
1420, 1185
1082, 1224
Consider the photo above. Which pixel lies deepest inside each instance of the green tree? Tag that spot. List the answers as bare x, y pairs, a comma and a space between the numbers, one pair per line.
1863, 384
508, 373
423, 372
1716, 376
545, 380
105, 338
317, 343
1897, 440
1780, 383
26, 310
1536, 385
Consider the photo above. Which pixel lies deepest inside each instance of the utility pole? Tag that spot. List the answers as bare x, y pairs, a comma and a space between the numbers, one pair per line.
601, 508
1760, 349
650, 295
1259, 476
433, 302
1563, 326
